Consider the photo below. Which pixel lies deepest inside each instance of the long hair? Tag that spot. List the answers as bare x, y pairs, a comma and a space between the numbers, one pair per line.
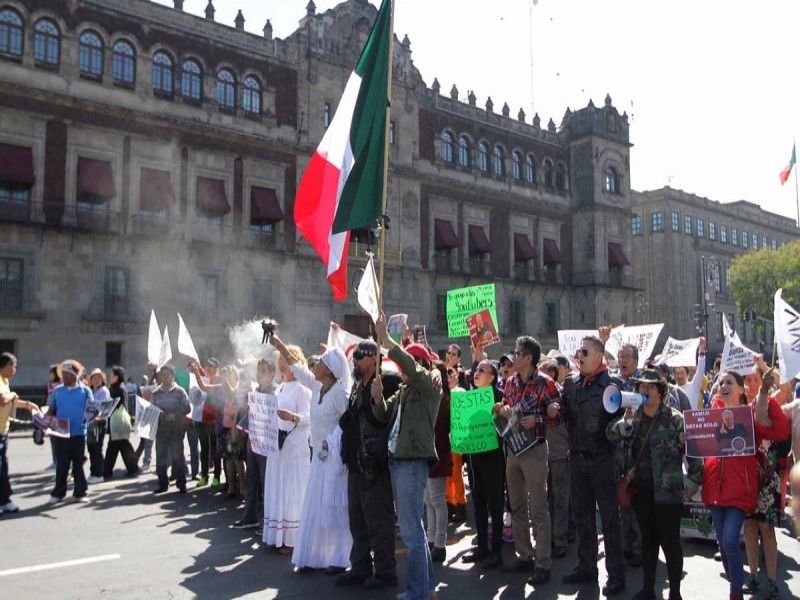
739, 381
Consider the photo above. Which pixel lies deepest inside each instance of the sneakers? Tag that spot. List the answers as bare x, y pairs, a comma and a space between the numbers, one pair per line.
215, 482
81, 499
202, 481
9, 507
53, 500
750, 585
771, 590
94, 479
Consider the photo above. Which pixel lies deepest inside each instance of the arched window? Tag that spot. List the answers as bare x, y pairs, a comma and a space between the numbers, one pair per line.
463, 151
226, 89
530, 169
612, 181
192, 81
548, 173
162, 73
516, 166
123, 63
251, 97
483, 157
447, 147
498, 162
561, 177
90, 55
10, 33
46, 42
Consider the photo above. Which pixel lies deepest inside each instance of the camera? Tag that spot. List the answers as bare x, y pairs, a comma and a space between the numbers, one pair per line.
268, 326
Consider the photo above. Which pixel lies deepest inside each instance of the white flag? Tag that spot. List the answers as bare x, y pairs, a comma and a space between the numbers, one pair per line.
787, 338
344, 340
368, 291
728, 332
165, 353
153, 339
644, 337
737, 357
185, 344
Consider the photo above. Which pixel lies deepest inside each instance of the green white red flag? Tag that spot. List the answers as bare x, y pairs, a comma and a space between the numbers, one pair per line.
342, 187
788, 168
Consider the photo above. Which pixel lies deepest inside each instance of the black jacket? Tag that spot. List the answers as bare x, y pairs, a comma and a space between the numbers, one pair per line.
587, 419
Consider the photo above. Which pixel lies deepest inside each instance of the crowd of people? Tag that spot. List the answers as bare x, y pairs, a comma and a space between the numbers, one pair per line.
365, 447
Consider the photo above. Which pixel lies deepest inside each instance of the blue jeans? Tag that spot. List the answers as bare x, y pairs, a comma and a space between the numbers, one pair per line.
728, 521
409, 478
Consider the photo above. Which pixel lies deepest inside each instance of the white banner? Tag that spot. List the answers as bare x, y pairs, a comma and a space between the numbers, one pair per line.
185, 343
165, 353
263, 423
569, 340
153, 339
146, 419
787, 338
644, 337
368, 291
737, 357
680, 353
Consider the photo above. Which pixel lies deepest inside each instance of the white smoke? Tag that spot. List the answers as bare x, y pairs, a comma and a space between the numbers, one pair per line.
246, 338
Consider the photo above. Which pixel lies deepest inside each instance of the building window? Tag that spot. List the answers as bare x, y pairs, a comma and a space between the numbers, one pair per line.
636, 225
441, 311
7, 345
676, 221
10, 33
612, 181
391, 133
12, 280
91, 55
744, 238
251, 96
548, 174
723, 234
226, 89
764, 242
516, 316
14, 193
530, 169
561, 178
192, 81
46, 42
162, 73
115, 291
712, 231
728, 285
701, 227
123, 63
657, 221
326, 115
716, 275
447, 147
687, 224
261, 297
208, 297
720, 328
734, 236
463, 151
483, 157
774, 244
516, 166
551, 324
498, 162
113, 354
754, 239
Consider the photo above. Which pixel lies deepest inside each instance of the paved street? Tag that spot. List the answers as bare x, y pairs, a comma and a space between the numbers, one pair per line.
174, 546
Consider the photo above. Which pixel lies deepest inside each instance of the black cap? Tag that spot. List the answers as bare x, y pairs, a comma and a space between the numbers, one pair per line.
508, 357
366, 347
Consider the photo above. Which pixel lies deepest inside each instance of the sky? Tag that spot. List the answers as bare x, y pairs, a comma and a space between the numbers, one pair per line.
710, 86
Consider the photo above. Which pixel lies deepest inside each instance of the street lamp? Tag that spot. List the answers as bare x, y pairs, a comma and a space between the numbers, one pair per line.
709, 268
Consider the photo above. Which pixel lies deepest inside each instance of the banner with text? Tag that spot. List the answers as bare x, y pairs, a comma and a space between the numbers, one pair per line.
737, 357
569, 340
644, 337
463, 302
146, 419
720, 432
471, 425
262, 423
680, 353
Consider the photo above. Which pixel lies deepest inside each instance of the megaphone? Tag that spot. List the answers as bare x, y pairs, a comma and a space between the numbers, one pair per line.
614, 399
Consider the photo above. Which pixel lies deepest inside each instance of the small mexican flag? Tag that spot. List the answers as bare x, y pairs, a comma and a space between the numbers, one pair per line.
342, 187
788, 168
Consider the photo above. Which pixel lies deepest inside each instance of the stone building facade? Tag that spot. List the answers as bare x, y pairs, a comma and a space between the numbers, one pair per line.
149, 159
680, 238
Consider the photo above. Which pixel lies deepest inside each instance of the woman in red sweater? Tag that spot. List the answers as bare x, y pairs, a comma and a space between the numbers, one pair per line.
731, 484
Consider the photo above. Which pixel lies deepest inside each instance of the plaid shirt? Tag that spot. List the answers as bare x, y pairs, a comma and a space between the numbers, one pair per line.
532, 397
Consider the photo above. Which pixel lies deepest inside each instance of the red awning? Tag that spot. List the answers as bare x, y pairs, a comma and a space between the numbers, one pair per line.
552, 255
444, 238
155, 190
95, 179
264, 206
616, 257
16, 164
211, 196
478, 242
523, 249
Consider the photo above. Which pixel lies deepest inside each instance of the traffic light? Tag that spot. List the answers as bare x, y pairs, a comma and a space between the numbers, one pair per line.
750, 315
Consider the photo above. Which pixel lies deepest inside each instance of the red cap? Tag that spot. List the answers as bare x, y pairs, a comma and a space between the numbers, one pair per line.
419, 351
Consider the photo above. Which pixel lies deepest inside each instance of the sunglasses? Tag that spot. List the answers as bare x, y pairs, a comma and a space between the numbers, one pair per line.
583, 352
520, 353
358, 355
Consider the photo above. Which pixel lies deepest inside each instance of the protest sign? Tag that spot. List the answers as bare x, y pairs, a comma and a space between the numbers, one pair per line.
516, 438
569, 340
464, 302
395, 326
471, 428
644, 337
262, 423
680, 353
146, 419
737, 357
99, 410
51, 425
720, 432
482, 330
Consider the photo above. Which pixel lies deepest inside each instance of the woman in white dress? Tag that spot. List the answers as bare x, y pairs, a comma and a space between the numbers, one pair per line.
322, 542
287, 470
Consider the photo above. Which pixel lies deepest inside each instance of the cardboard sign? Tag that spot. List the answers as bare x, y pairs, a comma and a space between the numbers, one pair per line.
471, 427
262, 423
463, 302
680, 353
482, 330
644, 337
720, 432
569, 340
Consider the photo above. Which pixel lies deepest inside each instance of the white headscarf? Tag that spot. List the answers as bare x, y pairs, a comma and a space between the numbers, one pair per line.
337, 364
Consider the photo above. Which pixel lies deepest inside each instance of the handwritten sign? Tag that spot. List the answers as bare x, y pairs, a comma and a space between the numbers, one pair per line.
737, 357
471, 427
146, 419
262, 423
463, 302
720, 432
644, 337
569, 340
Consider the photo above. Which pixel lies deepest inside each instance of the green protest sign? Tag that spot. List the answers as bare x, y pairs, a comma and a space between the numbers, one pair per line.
465, 302
471, 426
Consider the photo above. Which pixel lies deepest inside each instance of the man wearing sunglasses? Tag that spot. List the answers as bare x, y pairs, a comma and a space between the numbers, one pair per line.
592, 467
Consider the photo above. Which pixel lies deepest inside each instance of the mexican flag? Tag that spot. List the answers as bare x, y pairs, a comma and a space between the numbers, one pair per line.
788, 168
342, 187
